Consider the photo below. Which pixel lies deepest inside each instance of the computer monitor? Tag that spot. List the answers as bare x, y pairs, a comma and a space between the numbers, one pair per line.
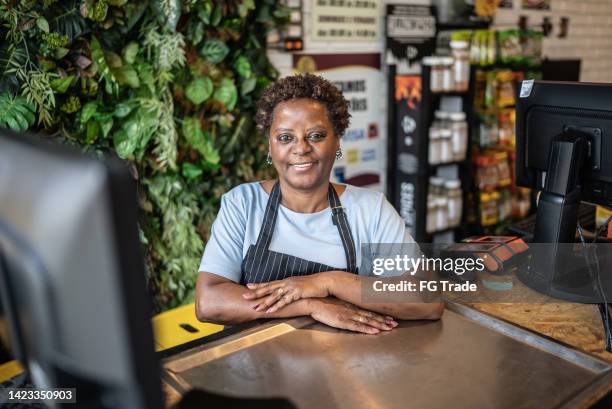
564, 150
72, 280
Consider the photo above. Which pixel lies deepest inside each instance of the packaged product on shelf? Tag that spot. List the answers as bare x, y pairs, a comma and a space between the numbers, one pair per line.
506, 127
488, 133
510, 50
480, 86
492, 47
532, 47
455, 201
503, 169
490, 90
446, 145
488, 209
448, 82
475, 47
486, 8
431, 218
505, 89
436, 186
461, 66
442, 213
441, 120
504, 205
459, 129
495, 198
436, 83
487, 176
434, 145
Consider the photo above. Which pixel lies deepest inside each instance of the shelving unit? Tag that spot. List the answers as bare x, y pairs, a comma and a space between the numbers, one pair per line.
474, 224
464, 166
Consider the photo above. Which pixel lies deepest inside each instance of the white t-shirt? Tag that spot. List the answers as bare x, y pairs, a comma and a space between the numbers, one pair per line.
310, 236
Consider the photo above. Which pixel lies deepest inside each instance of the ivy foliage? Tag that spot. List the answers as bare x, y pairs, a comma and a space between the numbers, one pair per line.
168, 85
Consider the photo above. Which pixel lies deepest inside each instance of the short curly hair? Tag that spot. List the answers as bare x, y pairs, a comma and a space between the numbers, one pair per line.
307, 86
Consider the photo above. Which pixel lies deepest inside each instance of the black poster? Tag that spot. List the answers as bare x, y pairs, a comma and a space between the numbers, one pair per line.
410, 150
411, 31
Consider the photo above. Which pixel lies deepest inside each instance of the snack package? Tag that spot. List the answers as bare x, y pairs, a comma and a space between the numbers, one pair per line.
532, 47
510, 50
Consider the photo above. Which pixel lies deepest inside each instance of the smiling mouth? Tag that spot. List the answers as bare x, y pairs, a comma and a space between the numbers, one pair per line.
303, 165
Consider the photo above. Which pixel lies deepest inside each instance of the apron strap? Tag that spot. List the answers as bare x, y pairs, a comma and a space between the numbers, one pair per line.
267, 227
340, 220
338, 217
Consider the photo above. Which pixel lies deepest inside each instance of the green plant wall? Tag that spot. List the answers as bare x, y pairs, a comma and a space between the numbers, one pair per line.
167, 85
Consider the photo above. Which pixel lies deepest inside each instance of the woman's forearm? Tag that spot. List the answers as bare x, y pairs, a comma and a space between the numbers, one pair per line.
349, 287
223, 303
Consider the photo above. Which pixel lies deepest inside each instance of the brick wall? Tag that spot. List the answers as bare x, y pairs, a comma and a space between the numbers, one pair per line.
589, 37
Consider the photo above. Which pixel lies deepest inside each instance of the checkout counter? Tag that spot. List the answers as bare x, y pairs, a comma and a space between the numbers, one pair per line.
548, 354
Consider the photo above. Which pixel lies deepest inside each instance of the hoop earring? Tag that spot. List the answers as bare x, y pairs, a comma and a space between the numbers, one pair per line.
269, 159
339, 154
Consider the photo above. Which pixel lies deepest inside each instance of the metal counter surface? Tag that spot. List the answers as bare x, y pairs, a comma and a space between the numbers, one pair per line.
465, 360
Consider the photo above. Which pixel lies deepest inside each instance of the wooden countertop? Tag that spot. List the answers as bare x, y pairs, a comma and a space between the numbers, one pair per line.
573, 324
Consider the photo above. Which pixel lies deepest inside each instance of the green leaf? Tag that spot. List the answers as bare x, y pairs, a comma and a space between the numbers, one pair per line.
214, 50
124, 144
61, 53
67, 19
191, 171
61, 85
216, 16
192, 132
243, 67
211, 156
245, 7
129, 53
106, 126
122, 110
248, 85
199, 90
93, 131
87, 111
16, 113
205, 12
168, 12
102, 67
227, 94
43, 24
127, 75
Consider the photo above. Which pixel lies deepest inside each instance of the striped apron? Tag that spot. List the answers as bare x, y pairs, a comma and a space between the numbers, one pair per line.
261, 265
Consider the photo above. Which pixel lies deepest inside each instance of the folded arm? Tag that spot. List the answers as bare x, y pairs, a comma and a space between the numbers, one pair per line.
278, 295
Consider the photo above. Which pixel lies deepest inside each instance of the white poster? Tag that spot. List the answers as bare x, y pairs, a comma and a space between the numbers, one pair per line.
346, 20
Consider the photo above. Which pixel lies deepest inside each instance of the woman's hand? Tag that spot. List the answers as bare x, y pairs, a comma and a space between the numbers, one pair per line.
283, 292
340, 314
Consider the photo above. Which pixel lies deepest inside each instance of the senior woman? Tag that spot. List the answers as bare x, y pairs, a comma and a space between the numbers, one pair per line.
290, 247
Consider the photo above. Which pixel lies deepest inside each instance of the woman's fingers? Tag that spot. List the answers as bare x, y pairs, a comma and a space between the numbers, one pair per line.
254, 286
357, 326
270, 300
285, 300
371, 321
383, 320
261, 291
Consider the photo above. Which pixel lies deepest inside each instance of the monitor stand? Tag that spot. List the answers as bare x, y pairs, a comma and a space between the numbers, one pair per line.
558, 267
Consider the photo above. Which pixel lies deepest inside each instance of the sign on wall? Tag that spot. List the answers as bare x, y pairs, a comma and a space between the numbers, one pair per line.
345, 20
411, 31
410, 184
360, 79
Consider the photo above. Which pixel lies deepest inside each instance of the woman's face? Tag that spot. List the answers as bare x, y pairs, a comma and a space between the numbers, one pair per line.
302, 143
